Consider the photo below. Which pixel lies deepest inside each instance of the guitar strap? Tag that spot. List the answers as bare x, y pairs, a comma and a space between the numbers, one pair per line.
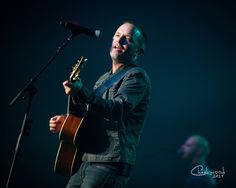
113, 80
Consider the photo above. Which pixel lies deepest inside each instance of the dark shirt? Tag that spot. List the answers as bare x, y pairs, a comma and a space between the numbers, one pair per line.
120, 111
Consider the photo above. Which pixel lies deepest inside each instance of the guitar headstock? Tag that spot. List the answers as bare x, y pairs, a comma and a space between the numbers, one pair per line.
76, 69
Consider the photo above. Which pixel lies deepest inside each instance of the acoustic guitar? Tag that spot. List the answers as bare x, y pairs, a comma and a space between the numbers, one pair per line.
68, 156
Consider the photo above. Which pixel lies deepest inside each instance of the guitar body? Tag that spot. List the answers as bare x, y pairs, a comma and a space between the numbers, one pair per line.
68, 156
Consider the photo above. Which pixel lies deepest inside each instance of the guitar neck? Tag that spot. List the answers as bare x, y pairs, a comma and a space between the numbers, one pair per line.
68, 104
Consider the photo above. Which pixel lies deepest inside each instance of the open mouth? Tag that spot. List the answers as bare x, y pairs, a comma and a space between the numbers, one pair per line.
118, 48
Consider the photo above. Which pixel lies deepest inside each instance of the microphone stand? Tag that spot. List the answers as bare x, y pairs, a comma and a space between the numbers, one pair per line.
31, 90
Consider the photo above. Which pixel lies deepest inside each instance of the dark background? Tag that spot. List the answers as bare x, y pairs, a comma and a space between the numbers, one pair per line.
190, 58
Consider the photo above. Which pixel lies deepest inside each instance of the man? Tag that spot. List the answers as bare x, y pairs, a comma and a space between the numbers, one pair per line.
195, 150
120, 111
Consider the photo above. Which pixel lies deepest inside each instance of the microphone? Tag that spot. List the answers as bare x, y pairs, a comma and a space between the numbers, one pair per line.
78, 29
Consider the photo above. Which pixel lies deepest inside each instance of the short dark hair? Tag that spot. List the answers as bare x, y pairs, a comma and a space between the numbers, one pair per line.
143, 40
202, 144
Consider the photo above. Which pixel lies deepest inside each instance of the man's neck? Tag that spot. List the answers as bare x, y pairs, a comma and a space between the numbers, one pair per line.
116, 66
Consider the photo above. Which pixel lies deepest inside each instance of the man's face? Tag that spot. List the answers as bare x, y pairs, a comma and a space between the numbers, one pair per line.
124, 44
189, 148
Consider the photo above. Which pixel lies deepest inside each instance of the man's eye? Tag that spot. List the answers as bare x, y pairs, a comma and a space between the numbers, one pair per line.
129, 39
124, 41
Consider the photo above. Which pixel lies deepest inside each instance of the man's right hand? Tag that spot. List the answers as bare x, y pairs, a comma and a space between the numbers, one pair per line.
56, 122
